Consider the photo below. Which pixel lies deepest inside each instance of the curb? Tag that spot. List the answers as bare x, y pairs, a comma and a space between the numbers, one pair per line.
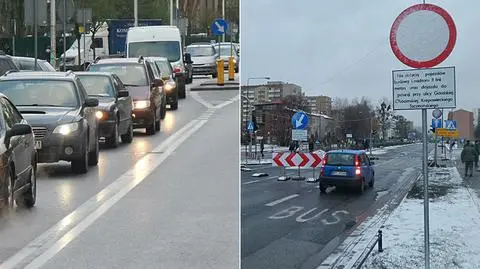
215, 88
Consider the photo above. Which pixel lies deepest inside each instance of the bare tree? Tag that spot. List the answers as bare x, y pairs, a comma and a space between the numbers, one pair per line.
384, 115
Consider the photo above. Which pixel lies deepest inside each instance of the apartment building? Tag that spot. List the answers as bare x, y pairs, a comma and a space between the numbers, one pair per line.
464, 121
320, 104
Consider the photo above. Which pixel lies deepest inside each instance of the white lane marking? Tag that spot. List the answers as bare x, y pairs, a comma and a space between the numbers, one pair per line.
202, 101
236, 98
44, 247
276, 202
258, 180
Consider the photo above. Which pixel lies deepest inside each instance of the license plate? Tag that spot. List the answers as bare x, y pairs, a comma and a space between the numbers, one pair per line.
339, 173
38, 144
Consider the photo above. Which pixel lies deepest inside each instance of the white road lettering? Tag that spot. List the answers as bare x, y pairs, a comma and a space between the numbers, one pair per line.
276, 202
302, 219
337, 219
286, 213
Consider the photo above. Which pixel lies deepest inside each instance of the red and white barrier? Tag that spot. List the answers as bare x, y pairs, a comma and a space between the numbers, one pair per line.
296, 159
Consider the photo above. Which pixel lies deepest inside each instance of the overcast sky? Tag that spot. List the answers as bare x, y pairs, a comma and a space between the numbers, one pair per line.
341, 48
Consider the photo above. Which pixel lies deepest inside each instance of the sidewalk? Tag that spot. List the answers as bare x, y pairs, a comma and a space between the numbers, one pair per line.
454, 223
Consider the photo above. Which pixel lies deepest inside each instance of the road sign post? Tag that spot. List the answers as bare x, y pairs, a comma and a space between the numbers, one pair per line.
423, 88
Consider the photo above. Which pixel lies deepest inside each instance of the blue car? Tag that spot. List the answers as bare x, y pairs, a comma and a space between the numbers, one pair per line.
346, 168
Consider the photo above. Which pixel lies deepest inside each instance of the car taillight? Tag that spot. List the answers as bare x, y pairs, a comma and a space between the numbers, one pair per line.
324, 162
358, 171
177, 70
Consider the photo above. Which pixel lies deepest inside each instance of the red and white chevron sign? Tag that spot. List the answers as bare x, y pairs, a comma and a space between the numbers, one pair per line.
300, 159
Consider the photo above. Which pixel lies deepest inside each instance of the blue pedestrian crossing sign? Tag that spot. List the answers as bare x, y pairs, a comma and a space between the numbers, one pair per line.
300, 121
450, 125
250, 126
219, 27
437, 123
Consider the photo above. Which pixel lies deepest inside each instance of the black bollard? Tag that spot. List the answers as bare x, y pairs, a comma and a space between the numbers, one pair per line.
380, 247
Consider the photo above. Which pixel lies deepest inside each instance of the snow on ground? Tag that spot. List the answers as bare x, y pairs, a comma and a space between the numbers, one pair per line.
454, 225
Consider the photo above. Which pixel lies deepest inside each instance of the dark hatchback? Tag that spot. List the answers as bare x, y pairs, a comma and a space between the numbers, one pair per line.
149, 103
346, 168
115, 108
170, 85
18, 158
61, 114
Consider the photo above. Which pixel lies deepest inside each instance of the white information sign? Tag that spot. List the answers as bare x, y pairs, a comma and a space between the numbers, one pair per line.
299, 135
424, 88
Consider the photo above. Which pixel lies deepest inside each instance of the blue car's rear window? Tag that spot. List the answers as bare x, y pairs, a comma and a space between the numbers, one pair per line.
341, 159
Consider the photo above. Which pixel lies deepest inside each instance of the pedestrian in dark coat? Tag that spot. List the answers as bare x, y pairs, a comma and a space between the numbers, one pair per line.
468, 156
477, 149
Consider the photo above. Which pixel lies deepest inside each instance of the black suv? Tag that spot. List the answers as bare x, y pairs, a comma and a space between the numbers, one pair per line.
149, 102
61, 114
7, 64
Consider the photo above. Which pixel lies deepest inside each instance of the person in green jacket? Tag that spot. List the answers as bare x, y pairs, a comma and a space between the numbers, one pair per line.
468, 156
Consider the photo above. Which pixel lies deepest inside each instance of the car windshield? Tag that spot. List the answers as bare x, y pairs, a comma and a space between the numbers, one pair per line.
167, 49
40, 92
164, 68
201, 51
340, 159
130, 74
97, 85
27, 65
226, 50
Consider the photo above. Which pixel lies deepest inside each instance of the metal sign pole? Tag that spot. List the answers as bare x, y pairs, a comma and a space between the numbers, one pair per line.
64, 35
435, 154
84, 38
425, 189
35, 34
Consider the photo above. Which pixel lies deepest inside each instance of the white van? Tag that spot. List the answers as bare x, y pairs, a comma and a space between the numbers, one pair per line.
159, 41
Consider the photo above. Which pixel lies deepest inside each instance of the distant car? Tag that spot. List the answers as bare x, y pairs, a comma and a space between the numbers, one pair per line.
61, 114
169, 81
346, 168
7, 64
18, 158
28, 63
115, 109
138, 76
204, 59
226, 50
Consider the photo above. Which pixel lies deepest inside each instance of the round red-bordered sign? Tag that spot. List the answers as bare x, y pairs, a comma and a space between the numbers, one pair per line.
438, 59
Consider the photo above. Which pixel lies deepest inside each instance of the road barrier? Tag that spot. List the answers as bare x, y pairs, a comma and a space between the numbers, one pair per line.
296, 159
378, 242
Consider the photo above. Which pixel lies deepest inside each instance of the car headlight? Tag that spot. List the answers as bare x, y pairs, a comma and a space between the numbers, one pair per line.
141, 104
168, 87
66, 129
99, 114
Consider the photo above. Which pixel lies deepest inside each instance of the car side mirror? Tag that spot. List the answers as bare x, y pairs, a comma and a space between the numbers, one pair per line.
123, 94
91, 102
187, 58
157, 82
17, 129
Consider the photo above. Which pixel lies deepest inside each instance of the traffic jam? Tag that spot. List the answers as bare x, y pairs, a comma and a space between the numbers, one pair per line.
50, 116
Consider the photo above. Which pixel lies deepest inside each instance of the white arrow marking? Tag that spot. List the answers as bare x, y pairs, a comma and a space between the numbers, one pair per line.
220, 27
299, 122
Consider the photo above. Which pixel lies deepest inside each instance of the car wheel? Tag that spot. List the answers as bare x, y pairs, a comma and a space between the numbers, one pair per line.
93, 156
113, 140
29, 197
128, 137
151, 128
158, 123
174, 106
164, 111
372, 182
182, 94
323, 188
361, 188
80, 166
8, 191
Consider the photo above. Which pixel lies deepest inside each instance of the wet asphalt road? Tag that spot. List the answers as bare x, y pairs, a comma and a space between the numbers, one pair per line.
288, 224
164, 201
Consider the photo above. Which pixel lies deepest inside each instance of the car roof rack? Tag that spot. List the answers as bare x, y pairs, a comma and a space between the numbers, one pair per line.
68, 73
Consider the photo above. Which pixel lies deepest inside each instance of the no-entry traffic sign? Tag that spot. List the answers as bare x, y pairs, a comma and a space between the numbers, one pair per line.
423, 36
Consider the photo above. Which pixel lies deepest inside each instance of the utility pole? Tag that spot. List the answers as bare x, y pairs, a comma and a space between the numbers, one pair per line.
171, 12
223, 17
35, 34
53, 34
84, 37
64, 35
135, 11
